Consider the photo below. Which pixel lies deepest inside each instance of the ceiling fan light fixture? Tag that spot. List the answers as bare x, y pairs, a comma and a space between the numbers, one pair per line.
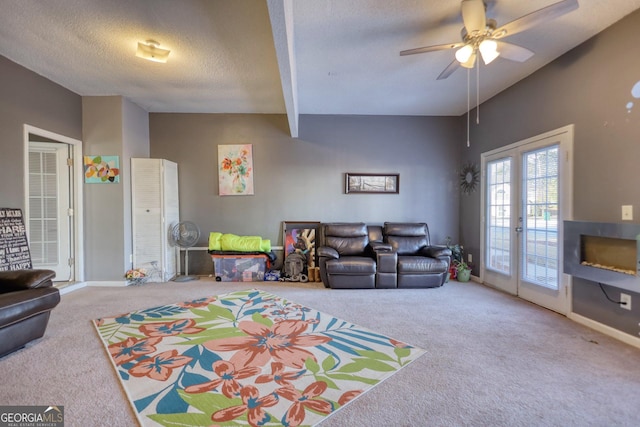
464, 53
151, 51
488, 50
470, 62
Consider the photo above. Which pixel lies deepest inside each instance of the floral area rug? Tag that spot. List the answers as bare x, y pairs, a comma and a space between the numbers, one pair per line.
244, 358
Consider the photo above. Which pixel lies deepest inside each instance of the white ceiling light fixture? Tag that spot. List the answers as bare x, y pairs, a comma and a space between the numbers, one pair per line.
464, 53
150, 50
488, 50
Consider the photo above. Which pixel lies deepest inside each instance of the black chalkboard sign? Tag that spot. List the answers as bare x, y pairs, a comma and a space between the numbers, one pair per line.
14, 248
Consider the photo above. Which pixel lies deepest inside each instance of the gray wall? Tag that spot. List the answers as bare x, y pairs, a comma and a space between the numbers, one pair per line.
27, 98
303, 179
590, 87
112, 126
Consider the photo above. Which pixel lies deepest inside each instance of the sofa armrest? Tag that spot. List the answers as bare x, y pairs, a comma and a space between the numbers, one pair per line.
18, 280
380, 246
436, 251
328, 252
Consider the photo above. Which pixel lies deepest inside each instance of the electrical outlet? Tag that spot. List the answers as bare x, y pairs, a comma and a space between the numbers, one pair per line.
469, 258
625, 298
627, 212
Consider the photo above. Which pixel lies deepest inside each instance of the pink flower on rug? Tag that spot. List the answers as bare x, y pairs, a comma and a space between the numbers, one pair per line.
308, 399
166, 329
228, 379
131, 348
279, 376
252, 403
201, 302
348, 396
283, 341
398, 344
161, 366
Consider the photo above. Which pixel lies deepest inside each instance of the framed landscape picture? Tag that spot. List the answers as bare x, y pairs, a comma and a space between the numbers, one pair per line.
372, 183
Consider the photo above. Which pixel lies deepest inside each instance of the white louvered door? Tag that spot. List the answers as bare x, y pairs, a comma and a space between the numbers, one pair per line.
155, 210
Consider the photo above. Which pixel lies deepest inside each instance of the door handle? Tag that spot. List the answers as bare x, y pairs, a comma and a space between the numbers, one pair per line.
519, 229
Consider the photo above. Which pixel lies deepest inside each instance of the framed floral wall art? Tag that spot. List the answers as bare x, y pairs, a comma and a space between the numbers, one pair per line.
235, 170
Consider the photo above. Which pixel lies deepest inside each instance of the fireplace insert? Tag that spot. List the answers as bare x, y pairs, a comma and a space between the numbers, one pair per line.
603, 252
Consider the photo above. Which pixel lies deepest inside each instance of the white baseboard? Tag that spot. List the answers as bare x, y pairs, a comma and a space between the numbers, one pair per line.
72, 287
115, 283
607, 330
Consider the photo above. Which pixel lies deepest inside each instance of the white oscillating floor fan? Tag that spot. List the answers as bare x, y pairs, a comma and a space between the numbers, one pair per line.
185, 234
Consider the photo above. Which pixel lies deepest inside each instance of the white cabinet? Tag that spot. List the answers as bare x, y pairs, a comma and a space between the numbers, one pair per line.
155, 209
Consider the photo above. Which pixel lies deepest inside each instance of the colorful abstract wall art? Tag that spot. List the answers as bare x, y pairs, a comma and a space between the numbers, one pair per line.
101, 169
235, 170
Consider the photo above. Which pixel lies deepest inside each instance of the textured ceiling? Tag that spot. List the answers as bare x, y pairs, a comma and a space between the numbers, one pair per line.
280, 56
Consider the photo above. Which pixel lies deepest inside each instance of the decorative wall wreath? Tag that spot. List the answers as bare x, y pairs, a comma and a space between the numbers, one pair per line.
469, 177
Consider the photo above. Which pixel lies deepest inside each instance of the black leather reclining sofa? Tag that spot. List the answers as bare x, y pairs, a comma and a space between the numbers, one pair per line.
395, 255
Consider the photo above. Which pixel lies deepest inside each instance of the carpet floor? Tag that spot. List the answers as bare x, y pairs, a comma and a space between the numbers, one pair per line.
491, 359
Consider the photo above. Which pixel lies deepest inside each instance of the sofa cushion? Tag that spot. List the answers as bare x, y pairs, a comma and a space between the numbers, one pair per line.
406, 238
347, 239
406, 228
420, 264
354, 265
346, 229
407, 245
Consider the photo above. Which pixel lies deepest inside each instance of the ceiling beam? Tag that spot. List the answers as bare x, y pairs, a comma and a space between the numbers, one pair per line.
281, 16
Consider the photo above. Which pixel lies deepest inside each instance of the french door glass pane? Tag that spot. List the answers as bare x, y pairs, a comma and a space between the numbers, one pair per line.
499, 216
43, 208
540, 224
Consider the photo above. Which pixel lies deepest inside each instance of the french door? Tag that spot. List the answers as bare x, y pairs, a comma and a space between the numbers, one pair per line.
49, 208
526, 196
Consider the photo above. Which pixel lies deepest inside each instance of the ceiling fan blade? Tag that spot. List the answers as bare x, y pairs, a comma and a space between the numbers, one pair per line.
534, 18
473, 15
449, 70
431, 48
513, 52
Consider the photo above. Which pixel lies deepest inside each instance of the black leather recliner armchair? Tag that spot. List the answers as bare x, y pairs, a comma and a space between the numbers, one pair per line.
26, 300
420, 265
352, 255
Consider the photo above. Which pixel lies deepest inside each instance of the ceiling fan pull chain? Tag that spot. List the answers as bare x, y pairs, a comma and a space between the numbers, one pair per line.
468, 104
478, 94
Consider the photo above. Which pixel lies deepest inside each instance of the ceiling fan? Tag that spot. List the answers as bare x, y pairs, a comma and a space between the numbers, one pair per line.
482, 35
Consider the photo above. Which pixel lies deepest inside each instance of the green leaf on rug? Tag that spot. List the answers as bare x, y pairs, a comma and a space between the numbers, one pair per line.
210, 334
375, 355
209, 402
402, 351
213, 312
349, 377
329, 363
312, 365
181, 420
258, 318
328, 381
360, 364
376, 365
